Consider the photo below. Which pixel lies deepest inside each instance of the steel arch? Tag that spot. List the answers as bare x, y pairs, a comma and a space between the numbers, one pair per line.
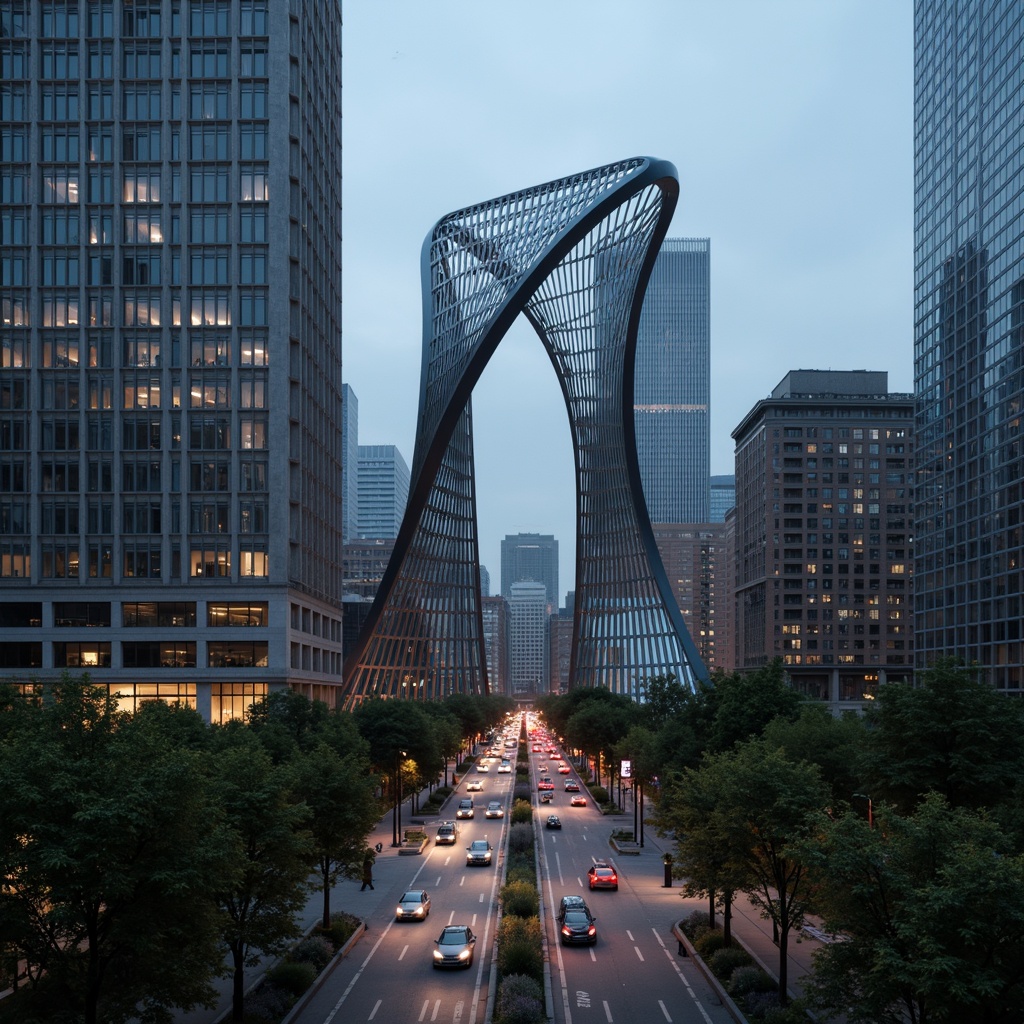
574, 256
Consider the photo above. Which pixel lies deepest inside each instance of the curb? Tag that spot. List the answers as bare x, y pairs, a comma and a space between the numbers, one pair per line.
321, 978
685, 944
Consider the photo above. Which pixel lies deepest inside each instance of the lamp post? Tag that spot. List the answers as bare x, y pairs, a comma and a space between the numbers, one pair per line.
396, 817
871, 808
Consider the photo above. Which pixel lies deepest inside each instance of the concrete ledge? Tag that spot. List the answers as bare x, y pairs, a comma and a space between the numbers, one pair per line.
303, 1000
413, 850
625, 846
686, 949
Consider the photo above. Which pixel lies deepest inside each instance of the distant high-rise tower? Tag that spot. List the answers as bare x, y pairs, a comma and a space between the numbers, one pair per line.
672, 388
350, 464
170, 348
383, 490
497, 644
969, 336
530, 556
528, 613
723, 497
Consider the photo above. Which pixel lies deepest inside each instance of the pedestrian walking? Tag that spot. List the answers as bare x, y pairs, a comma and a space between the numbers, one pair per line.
367, 875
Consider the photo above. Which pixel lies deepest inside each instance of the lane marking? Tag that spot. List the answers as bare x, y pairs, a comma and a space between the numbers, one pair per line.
607, 1010
664, 1011
638, 953
405, 949
376, 1007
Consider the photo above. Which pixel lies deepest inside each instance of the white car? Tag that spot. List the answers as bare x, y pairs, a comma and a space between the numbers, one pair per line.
484, 768
504, 768
474, 786
494, 810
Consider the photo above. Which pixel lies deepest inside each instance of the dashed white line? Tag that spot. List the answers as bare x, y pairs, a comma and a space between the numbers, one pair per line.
376, 1007
405, 949
607, 1010
638, 953
664, 1011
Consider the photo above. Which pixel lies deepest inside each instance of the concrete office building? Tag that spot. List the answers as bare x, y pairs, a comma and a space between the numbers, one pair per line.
383, 491
528, 614
350, 464
170, 353
969, 336
694, 560
497, 644
672, 386
824, 503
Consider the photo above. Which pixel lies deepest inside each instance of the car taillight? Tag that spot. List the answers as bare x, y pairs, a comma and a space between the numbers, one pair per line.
566, 930
591, 930
614, 878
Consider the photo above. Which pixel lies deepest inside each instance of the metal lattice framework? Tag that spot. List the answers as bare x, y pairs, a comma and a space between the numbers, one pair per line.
574, 256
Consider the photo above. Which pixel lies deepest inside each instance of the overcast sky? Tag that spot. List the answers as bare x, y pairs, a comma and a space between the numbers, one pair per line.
790, 123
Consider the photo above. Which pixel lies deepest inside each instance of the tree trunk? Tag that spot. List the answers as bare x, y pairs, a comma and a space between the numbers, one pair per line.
783, 959
727, 918
711, 908
237, 982
327, 903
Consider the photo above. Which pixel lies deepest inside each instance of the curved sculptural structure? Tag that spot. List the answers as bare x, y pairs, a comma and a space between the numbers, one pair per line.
574, 257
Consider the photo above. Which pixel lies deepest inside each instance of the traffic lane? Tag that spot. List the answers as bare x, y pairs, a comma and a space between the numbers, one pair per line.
392, 977
632, 972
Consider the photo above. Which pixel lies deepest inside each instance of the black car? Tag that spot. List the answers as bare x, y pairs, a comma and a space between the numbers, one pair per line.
554, 821
578, 926
568, 903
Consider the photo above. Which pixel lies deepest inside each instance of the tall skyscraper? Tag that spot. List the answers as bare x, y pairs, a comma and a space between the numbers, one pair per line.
823, 539
171, 509
969, 335
672, 387
528, 615
723, 497
530, 556
350, 464
383, 490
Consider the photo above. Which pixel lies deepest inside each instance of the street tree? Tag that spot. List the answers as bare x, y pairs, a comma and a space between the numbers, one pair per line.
931, 910
110, 841
271, 854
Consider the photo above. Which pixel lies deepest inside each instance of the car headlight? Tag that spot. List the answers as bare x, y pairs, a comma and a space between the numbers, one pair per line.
464, 955
419, 911
438, 955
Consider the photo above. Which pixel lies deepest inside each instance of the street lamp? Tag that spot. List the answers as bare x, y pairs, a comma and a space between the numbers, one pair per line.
396, 817
871, 808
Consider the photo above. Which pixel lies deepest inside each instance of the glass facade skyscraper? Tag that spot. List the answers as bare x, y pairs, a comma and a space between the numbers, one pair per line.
383, 490
170, 231
672, 384
969, 335
530, 557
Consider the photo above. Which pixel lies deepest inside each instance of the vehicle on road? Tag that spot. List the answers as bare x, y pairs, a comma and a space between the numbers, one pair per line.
413, 905
447, 833
571, 786
546, 797
603, 877
579, 800
578, 926
478, 853
564, 769
474, 786
504, 768
545, 783
554, 821
483, 768
454, 947
494, 810
567, 903
465, 808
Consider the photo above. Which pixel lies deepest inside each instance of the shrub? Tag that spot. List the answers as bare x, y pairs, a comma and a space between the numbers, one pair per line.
519, 947
520, 898
521, 872
315, 950
520, 837
292, 977
268, 1003
521, 791
725, 961
709, 943
521, 811
749, 979
696, 923
342, 928
600, 794
757, 1005
519, 1001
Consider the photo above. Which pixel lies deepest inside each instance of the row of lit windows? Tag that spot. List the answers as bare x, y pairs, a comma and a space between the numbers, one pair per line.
63, 186
146, 654
139, 614
140, 560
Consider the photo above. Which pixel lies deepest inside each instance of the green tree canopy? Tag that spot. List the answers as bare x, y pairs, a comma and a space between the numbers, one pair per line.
107, 825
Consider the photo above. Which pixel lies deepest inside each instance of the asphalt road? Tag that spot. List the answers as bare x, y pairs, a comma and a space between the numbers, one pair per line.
633, 975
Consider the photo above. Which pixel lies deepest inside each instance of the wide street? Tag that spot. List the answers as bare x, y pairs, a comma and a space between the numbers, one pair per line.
632, 975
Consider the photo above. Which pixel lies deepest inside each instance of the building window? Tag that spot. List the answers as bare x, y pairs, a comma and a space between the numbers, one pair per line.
21, 655
238, 613
158, 614
212, 562
233, 700
253, 562
237, 654
210, 475
158, 654
208, 517
130, 696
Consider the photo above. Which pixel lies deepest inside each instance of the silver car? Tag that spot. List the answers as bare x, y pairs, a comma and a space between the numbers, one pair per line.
454, 947
413, 905
478, 853
494, 810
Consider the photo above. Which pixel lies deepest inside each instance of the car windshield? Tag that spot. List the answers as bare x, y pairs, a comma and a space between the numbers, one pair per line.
453, 934
577, 917
411, 897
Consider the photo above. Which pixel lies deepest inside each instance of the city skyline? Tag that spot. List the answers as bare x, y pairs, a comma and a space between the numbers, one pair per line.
794, 160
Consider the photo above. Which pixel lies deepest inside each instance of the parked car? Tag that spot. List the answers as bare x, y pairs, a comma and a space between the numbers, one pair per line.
478, 853
554, 821
447, 833
494, 810
413, 905
578, 801
454, 946
603, 877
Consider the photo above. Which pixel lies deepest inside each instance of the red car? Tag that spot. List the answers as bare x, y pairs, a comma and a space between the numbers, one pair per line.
545, 784
603, 877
